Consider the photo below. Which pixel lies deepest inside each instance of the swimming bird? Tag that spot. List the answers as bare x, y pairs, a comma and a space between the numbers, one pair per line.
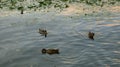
91, 35
43, 32
50, 51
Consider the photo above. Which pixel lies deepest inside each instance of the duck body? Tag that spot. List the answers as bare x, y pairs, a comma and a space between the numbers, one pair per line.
43, 32
91, 35
50, 51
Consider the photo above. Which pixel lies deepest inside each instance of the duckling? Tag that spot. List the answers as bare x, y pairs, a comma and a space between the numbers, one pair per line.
43, 32
91, 35
50, 51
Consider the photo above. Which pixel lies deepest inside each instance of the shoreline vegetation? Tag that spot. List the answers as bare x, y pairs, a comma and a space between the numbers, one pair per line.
63, 7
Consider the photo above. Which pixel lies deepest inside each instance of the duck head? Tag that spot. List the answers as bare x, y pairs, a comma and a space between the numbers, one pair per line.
43, 51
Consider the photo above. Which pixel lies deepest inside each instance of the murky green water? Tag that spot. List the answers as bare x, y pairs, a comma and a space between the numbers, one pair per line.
21, 44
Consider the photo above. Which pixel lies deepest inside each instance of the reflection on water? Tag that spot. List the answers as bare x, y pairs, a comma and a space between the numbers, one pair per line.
21, 44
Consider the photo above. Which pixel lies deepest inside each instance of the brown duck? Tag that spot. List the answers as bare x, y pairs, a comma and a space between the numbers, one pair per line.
91, 35
43, 32
50, 51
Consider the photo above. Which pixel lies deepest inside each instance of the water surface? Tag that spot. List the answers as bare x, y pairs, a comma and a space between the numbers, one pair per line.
21, 44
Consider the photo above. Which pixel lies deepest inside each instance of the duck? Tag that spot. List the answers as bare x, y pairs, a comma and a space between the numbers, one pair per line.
43, 32
91, 35
50, 51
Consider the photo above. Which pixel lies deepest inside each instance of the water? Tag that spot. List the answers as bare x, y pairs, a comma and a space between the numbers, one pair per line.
21, 44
